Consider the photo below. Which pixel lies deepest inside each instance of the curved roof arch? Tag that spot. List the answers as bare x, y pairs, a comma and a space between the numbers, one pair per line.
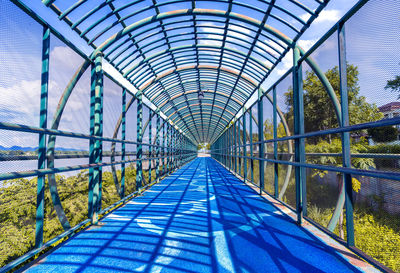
174, 50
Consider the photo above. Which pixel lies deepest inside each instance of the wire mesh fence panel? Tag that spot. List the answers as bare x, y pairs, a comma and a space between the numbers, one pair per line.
243, 137
321, 87
112, 109
377, 206
372, 40
248, 141
20, 51
130, 169
69, 152
324, 150
110, 187
323, 190
68, 102
285, 149
153, 141
66, 205
20, 85
255, 139
18, 151
17, 216
285, 172
377, 219
284, 101
146, 140
268, 134
131, 118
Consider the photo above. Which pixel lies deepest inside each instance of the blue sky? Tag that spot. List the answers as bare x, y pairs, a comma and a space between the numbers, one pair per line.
372, 44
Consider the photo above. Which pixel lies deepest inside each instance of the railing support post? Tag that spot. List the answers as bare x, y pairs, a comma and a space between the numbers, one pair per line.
123, 135
158, 146
239, 148
139, 138
42, 137
260, 139
150, 148
275, 133
169, 148
251, 146
234, 146
347, 180
245, 146
96, 119
163, 148
298, 107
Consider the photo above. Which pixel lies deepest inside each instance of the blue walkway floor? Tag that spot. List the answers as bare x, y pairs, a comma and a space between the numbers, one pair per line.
200, 219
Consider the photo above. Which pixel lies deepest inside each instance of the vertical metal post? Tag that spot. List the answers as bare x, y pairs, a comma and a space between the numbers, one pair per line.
181, 151
171, 149
173, 146
178, 149
100, 133
239, 148
158, 146
174, 151
226, 147
168, 147
234, 147
150, 142
123, 135
275, 133
96, 119
244, 147
251, 146
261, 139
228, 151
346, 135
139, 139
231, 146
42, 137
163, 149
298, 106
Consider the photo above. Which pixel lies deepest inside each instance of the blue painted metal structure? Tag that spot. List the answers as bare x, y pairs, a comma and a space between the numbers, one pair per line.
169, 57
160, 225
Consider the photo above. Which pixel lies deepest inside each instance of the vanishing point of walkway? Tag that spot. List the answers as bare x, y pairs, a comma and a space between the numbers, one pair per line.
199, 219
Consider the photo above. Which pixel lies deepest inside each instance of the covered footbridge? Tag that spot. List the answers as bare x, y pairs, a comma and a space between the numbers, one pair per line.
105, 104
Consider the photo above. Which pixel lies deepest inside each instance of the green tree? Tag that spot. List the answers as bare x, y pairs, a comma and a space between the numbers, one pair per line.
269, 130
319, 111
394, 85
319, 114
383, 134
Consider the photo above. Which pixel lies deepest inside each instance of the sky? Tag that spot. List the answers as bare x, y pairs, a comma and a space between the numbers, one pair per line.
372, 44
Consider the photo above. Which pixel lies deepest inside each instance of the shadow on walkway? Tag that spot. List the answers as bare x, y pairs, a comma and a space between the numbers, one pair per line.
199, 219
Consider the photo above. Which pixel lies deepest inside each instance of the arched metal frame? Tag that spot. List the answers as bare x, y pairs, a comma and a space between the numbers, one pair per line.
170, 51
144, 40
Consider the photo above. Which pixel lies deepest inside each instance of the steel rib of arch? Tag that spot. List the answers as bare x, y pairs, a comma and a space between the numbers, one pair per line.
169, 40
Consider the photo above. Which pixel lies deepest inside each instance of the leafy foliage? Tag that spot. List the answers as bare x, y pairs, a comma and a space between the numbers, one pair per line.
376, 232
319, 111
269, 130
394, 84
336, 147
18, 208
383, 134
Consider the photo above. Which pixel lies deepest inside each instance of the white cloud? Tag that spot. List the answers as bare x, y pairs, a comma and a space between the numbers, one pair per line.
326, 16
286, 63
307, 44
65, 58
